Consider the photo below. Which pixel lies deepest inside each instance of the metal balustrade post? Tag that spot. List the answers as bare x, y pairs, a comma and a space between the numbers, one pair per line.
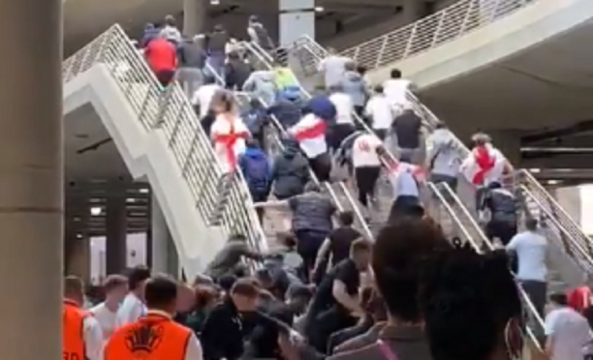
192, 148
381, 50
410, 42
466, 18
356, 53
438, 29
492, 17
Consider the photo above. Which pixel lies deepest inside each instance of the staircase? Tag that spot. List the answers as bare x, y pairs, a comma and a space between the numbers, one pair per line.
380, 53
376, 215
158, 135
572, 246
277, 219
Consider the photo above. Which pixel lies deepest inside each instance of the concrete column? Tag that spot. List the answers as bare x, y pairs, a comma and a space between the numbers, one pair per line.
413, 10
297, 17
31, 180
163, 252
194, 16
116, 237
79, 261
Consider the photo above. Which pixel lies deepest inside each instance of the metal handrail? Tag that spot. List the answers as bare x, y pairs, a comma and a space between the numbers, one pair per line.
447, 199
437, 29
341, 185
580, 241
258, 52
170, 112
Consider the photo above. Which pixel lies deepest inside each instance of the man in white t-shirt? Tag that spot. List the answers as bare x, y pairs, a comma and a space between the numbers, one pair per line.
567, 331
380, 111
530, 249
344, 125
133, 307
116, 288
396, 90
333, 68
367, 165
203, 96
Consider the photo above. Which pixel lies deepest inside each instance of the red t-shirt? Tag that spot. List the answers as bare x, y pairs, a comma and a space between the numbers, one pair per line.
161, 55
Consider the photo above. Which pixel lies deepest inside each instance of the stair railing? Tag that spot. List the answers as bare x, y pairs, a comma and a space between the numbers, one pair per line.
257, 56
576, 236
437, 29
264, 57
169, 110
473, 233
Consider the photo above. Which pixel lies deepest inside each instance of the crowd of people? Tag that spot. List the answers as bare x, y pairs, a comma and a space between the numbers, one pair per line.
429, 298
326, 290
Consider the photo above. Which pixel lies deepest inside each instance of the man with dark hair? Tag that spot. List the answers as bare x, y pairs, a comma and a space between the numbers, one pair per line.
336, 304
156, 335
337, 245
222, 332
530, 249
133, 307
227, 259
398, 254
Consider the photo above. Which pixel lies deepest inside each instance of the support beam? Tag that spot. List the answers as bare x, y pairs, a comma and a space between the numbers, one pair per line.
31, 179
194, 17
297, 17
560, 162
413, 10
163, 252
116, 232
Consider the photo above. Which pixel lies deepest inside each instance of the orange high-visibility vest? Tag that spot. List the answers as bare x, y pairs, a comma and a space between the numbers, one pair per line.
73, 331
153, 337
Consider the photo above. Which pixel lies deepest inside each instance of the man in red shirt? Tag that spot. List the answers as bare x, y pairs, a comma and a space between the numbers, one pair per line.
161, 56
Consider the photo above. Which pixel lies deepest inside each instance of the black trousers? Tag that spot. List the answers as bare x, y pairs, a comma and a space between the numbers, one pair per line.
339, 132
366, 178
503, 230
537, 292
321, 166
325, 324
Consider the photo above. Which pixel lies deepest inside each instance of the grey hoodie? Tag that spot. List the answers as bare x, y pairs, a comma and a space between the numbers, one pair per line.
442, 156
355, 86
261, 84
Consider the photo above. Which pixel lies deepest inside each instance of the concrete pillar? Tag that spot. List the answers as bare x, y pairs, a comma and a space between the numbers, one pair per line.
297, 17
116, 232
194, 17
163, 251
79, 260
31, 180
413, 10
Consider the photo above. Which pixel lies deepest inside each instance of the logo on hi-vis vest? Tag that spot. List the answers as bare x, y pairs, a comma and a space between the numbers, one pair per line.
144, 339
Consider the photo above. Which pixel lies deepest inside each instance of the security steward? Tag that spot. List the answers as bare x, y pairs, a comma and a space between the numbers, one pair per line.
82, 334
155, 336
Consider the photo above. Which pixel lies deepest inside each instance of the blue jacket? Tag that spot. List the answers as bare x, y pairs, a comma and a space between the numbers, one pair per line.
255, 154
290, 172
